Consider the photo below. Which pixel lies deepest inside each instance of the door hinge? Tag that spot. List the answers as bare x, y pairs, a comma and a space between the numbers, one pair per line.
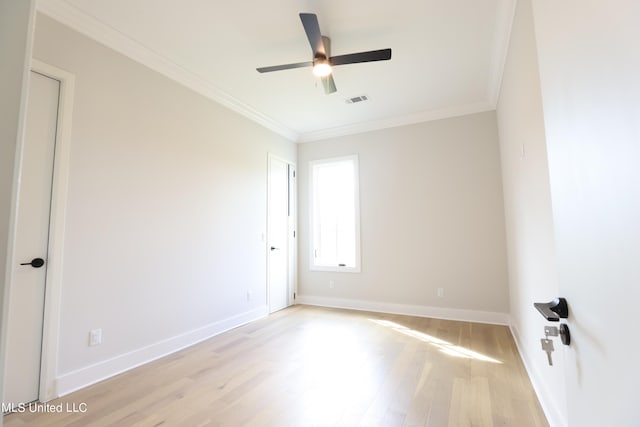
294, 295
294, 233
294, 174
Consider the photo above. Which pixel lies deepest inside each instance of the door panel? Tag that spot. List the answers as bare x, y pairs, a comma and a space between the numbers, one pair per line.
26, 306
278, 245
589, 68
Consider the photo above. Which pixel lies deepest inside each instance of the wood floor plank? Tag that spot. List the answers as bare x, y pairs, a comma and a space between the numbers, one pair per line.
311, 366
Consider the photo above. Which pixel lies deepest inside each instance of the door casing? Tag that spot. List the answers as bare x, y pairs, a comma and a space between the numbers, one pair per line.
51, 324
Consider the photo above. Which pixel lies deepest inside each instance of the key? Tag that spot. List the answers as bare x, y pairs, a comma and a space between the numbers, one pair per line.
550, 331
547, 346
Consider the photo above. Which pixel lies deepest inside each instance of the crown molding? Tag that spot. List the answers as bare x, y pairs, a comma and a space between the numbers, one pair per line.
73, 17
504, 18
424, 116
91, 27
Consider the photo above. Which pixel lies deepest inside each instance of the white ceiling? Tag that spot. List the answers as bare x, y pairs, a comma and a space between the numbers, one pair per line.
447, 58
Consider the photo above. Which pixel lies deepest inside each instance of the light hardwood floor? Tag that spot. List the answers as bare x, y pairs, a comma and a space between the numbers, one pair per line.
309, 366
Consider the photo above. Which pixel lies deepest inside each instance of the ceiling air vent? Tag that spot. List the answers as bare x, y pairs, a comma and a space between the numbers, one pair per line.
357, 99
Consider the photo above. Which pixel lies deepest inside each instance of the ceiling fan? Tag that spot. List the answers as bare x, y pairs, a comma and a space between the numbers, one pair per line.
323, 62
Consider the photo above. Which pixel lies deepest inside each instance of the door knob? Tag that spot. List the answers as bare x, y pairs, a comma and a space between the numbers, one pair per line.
35, 263
273, 248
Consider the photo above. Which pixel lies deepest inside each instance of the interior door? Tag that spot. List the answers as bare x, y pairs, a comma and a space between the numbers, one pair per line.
589, 70
277, 233
27, 294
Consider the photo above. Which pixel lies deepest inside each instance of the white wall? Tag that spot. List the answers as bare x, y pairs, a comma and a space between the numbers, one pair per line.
431, 216
166, 208
589, 74
527, 203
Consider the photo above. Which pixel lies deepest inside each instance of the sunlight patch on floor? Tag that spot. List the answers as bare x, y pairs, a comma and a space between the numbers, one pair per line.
444, 346
334, 355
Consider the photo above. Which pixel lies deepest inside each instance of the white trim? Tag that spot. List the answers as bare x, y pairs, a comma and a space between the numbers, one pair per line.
549, 406
425, 116
52, 306
502, 39
293, 233
409, 310
73, 17
80, 378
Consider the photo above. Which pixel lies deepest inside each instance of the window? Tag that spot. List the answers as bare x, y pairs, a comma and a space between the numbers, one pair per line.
335, 214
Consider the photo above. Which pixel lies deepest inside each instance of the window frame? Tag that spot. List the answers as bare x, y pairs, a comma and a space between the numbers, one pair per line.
312, 240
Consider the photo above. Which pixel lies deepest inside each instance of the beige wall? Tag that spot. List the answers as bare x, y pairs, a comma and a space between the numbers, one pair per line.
165, 215
431, 217
527, 200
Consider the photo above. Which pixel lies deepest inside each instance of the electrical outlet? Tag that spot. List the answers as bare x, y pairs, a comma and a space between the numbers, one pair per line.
95, 337
440, 292
249, 295
331, 284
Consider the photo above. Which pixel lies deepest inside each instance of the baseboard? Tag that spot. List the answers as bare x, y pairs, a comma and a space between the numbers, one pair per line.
551, 410
406, 309
75, 380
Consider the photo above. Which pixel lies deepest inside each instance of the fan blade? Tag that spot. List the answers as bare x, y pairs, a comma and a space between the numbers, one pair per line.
369, 56
329, 84
284, 67
312, 28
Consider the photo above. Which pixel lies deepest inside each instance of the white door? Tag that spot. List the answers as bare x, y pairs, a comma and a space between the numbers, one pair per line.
26, 306
279, 211
589, 72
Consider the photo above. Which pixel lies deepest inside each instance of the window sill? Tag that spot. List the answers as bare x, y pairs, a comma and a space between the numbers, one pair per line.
335, 269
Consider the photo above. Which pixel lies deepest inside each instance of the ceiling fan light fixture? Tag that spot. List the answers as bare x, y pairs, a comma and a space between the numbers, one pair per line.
323, 62
322, 68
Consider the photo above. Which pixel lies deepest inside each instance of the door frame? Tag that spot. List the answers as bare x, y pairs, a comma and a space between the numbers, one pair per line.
292, 224
55, 248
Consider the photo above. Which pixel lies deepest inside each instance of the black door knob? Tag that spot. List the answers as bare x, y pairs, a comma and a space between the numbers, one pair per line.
273, 248
35, 263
